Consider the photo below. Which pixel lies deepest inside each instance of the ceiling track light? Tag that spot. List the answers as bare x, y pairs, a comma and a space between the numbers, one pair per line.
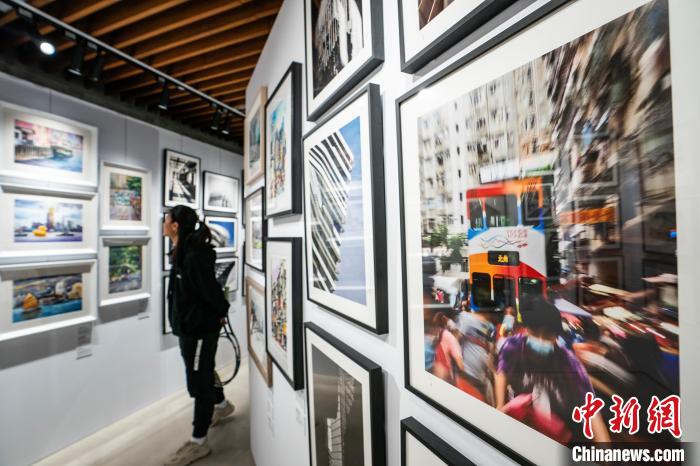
225, 126
44, 45
164, 97
96, 72
216, 120
76, 63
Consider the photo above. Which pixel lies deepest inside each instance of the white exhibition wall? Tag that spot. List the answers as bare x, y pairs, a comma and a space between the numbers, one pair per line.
50, 398
278, 414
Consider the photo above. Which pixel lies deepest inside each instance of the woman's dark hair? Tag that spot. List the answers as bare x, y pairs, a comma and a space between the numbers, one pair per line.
540, 315
191, 232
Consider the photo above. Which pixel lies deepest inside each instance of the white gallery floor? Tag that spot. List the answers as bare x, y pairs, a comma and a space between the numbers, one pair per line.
149, 436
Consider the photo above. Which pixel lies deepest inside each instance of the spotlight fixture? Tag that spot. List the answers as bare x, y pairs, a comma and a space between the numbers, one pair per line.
216, 120
164, 97
96, 72
76, 63
46, 47
224, 127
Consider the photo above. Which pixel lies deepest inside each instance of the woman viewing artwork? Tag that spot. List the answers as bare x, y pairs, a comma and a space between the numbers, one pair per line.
197, 310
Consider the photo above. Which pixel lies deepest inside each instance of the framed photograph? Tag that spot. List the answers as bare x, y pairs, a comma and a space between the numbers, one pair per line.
255, 312
224, 232
42, 297
345, 402
283, 146
226, 269
181, 180
421, 447
430, 27
124, 269
167, 329
40, 223
220, 193
125, 198
284, 307
40, 145
255, 230
480, 258
167, 247
344, 43
344, 212
254, 139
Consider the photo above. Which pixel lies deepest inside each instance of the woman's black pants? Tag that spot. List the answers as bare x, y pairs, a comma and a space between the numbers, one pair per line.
202, 382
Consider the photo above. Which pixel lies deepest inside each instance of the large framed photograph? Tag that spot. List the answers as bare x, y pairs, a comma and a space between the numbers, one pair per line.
284, 307
344, 43
421, 447
42, 297
516, 293
255, 230
167, 328
254, 139
345, 402
182, 182
125, 198
220, 193
344, 212
255, 312
283, 146
43, 223
430, 27
44, 146
226, 270
125, 272
224, 231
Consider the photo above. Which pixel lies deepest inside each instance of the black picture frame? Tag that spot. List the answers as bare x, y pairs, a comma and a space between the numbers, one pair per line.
214, 212
293, 73
376, 392
440, 448
165, 324
503, 36
378, 207
467, 25
260, 190
295, 322
165, 258
375, 59
200, 191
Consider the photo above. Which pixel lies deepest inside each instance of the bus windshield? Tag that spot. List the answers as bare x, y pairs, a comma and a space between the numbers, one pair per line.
501, 211
481, 289
476, 214
503, 291
529, 287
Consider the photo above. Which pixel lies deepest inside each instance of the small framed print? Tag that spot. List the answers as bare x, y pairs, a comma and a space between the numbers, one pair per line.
181, 180
345, 402
167, 247
283, 146
255, 230
226, 269
284, 307
124, 269
44, 222
220, 193
125, 198
254, 139
167, 328
42, 297
421, 447
224, 231
43, 146
255, 306
344, 43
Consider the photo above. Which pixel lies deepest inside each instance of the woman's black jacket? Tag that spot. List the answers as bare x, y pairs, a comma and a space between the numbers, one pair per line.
196, 301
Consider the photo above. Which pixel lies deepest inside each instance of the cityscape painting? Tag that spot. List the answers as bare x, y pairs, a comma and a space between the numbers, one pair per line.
527, 285
254, 138
125, 268
255, 304
48, 147
181, 182
38, 220
47, 296
125, 197
284, 308
343, 173
345, 400
255, 230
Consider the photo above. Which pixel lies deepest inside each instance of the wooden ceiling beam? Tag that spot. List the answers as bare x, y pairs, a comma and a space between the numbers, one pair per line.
11, 15
206, 86
154, 98
203, 47
203, 62
208, 110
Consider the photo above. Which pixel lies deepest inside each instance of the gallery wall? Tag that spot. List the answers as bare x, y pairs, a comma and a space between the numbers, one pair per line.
52, 398
278, 414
